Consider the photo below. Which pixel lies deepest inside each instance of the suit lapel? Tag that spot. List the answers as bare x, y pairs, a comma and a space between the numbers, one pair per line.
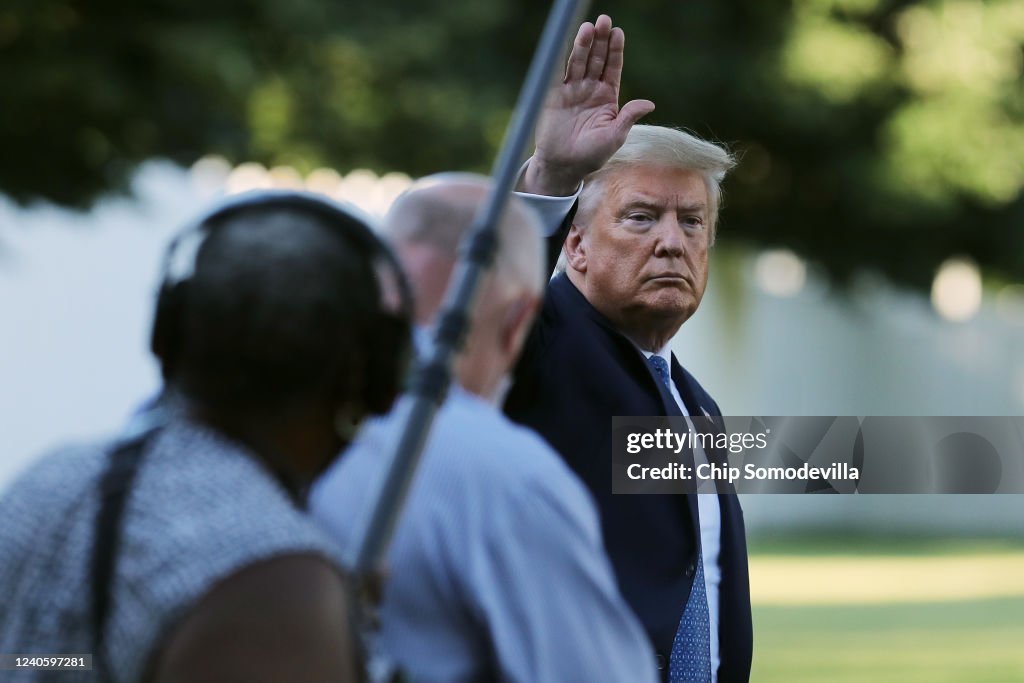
687, 391
711, 422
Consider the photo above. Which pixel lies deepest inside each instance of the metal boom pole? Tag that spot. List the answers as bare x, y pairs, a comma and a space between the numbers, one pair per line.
432, 376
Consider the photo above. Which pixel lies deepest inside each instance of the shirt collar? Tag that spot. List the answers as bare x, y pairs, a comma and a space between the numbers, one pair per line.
665, 352
423, 341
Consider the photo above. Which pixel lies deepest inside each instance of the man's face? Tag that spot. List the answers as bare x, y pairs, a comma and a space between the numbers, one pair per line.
643, 254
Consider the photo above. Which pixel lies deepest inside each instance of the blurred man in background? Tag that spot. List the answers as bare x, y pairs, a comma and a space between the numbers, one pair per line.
184, 554
636, 255
497, 570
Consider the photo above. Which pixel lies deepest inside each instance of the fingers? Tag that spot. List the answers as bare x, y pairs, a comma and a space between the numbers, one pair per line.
631, 112
599, 50
576, 68
597, 53
616, 49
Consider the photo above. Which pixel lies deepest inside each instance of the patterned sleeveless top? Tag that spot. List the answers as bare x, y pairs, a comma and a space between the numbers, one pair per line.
201, 508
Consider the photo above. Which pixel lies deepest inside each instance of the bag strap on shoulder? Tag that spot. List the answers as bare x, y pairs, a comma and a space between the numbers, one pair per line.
115, 485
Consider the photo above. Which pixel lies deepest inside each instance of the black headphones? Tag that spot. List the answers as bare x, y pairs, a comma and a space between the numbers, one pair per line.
389, 343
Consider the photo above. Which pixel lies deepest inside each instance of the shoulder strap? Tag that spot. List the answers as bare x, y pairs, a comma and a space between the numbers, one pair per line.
123, 464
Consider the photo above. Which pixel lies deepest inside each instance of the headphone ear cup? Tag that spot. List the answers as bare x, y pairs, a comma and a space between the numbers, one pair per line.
165, 340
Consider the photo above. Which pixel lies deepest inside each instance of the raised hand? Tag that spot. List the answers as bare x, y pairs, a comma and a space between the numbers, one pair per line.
582, 125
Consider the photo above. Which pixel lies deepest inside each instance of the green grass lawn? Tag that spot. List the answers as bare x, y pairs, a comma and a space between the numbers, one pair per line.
968, 641
859, 544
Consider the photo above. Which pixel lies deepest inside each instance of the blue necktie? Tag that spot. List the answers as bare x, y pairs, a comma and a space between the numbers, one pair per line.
660, 366
691, 650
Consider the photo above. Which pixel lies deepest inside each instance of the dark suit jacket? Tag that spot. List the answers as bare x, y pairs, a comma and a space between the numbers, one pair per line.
575, 373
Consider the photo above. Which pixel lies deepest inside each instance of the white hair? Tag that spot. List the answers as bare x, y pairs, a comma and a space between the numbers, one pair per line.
439, 210
662, 146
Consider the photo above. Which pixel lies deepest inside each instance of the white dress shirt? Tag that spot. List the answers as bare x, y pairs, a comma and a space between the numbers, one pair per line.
710, 528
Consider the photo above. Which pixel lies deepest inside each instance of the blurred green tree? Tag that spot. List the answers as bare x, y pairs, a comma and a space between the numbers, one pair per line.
886, 134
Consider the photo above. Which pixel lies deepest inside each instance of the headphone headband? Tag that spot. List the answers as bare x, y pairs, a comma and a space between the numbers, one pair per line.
180, 259
387, 347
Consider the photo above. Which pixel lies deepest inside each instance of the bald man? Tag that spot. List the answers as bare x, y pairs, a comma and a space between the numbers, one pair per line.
497, 570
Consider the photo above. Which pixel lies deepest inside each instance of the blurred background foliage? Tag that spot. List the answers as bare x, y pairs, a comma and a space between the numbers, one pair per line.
878, 134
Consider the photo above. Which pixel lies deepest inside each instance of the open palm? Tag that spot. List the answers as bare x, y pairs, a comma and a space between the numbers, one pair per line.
582, 124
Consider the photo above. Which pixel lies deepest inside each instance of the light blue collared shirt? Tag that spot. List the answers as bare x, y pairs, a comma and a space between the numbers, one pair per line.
497, 569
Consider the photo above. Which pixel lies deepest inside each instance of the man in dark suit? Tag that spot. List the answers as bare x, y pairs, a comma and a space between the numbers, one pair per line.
636, 266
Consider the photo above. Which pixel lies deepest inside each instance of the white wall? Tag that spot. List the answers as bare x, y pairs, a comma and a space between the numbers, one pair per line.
76, 293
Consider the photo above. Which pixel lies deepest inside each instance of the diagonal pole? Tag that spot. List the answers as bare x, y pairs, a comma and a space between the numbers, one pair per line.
432, 376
